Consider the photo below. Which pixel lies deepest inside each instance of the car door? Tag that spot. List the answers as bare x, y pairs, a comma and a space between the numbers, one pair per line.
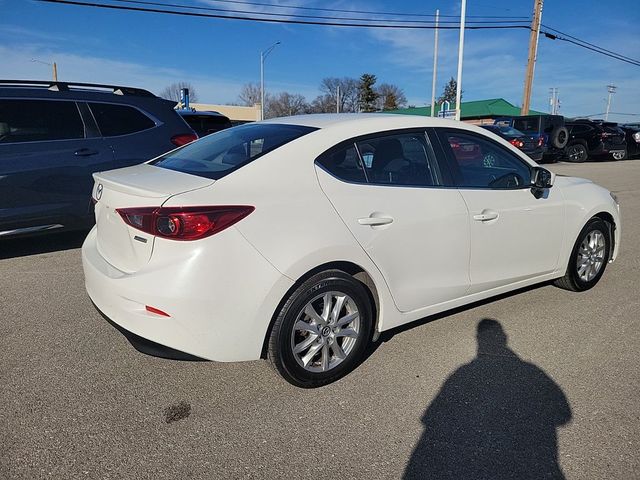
515, 235
46, 161
387, 189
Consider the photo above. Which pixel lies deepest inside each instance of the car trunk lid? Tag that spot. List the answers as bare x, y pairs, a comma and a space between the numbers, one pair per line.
123, 246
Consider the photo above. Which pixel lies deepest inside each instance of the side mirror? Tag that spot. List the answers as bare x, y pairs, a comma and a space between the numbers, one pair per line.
541, 179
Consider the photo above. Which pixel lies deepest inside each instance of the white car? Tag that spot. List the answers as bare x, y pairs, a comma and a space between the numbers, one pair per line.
300, 239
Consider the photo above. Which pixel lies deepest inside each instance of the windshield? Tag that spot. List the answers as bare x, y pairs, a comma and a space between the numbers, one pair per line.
217, 155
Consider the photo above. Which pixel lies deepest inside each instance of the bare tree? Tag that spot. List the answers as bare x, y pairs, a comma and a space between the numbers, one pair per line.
390, 97
323, 104
348, 93
284, 104
172, 92
250, 94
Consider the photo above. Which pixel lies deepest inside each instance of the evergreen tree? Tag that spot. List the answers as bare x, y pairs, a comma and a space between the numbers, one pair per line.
449, 93
367, 95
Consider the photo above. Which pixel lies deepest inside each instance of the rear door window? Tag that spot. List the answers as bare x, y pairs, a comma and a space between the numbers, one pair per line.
39, 120
218, 155
114, 120
398, 159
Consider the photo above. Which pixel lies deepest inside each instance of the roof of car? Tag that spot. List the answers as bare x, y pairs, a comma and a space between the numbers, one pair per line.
206, 113
325, 120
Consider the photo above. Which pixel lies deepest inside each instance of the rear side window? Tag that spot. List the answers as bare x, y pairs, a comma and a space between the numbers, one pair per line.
116, 120
217, 155
398, 159
39, 120
344, 163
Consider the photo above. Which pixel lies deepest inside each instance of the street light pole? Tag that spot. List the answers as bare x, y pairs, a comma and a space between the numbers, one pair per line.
460, 53
263, 56
611, 89
435, 67
53, 65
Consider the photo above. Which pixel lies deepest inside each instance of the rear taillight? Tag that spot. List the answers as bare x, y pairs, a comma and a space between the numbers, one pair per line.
184, 223
516, 142
183, 139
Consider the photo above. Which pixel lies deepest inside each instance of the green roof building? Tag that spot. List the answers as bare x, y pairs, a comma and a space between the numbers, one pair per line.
475, 111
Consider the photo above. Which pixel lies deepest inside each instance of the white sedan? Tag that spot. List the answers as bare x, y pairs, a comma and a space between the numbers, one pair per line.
300, 239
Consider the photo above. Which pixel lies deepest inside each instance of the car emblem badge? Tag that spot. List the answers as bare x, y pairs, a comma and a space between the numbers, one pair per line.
99, 192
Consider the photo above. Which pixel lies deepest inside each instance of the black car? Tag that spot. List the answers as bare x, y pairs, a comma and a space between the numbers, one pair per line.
54, 135
548, 130
632, 135
530, 145
204, 123
595, 139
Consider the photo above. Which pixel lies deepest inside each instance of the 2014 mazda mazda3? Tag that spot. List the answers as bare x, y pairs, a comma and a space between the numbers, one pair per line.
300, 239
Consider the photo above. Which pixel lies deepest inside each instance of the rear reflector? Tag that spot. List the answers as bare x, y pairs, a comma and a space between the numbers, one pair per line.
184, 223
183, 139
157, 311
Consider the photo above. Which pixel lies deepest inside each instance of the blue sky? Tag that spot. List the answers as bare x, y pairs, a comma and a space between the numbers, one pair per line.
219, 56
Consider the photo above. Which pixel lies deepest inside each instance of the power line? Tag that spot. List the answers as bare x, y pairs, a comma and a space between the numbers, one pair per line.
594, 49
279, 20
321, 17
590, 44
370, 12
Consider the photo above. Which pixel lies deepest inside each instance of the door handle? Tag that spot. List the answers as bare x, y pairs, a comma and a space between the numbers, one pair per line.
485, 216
85, 152
375, 221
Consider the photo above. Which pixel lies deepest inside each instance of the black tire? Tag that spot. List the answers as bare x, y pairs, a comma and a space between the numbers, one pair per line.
571, 280
577, 153
280, 350
559, 137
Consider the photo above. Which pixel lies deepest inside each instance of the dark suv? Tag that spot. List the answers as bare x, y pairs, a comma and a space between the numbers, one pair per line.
54, 135
549, 131
595, 138
205, 123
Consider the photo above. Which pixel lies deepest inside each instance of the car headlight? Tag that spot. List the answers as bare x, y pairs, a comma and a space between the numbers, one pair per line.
636, 137
615, 198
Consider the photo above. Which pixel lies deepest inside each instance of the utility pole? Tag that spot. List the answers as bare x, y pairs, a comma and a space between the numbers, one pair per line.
435, 67
532, 56
460, 53
55, 72
338, 99
611, 89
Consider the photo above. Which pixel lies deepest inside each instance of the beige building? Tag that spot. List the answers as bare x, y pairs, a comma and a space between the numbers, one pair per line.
234, 112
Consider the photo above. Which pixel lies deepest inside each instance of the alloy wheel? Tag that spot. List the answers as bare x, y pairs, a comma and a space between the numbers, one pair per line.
591, 255
325, 331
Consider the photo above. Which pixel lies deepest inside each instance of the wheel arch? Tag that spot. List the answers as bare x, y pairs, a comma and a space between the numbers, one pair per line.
353, 269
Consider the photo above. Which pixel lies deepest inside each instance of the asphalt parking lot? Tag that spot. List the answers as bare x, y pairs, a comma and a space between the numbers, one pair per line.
433, 401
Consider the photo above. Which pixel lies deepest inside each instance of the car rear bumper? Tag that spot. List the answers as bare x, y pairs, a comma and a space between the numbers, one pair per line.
220, 296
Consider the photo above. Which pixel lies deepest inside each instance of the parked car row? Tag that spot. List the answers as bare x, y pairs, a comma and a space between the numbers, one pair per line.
575, 140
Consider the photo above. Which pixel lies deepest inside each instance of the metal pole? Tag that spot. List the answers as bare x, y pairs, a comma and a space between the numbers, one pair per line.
338, 99
611, 89
263, 55
435, 67
55, 72
261, 85
460, 53
532, 56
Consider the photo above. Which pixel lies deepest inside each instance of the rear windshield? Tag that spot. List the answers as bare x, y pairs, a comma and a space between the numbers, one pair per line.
511, 132
527, 125
217, 155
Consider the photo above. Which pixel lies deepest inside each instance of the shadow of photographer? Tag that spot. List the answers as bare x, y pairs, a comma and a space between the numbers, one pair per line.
494, 418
